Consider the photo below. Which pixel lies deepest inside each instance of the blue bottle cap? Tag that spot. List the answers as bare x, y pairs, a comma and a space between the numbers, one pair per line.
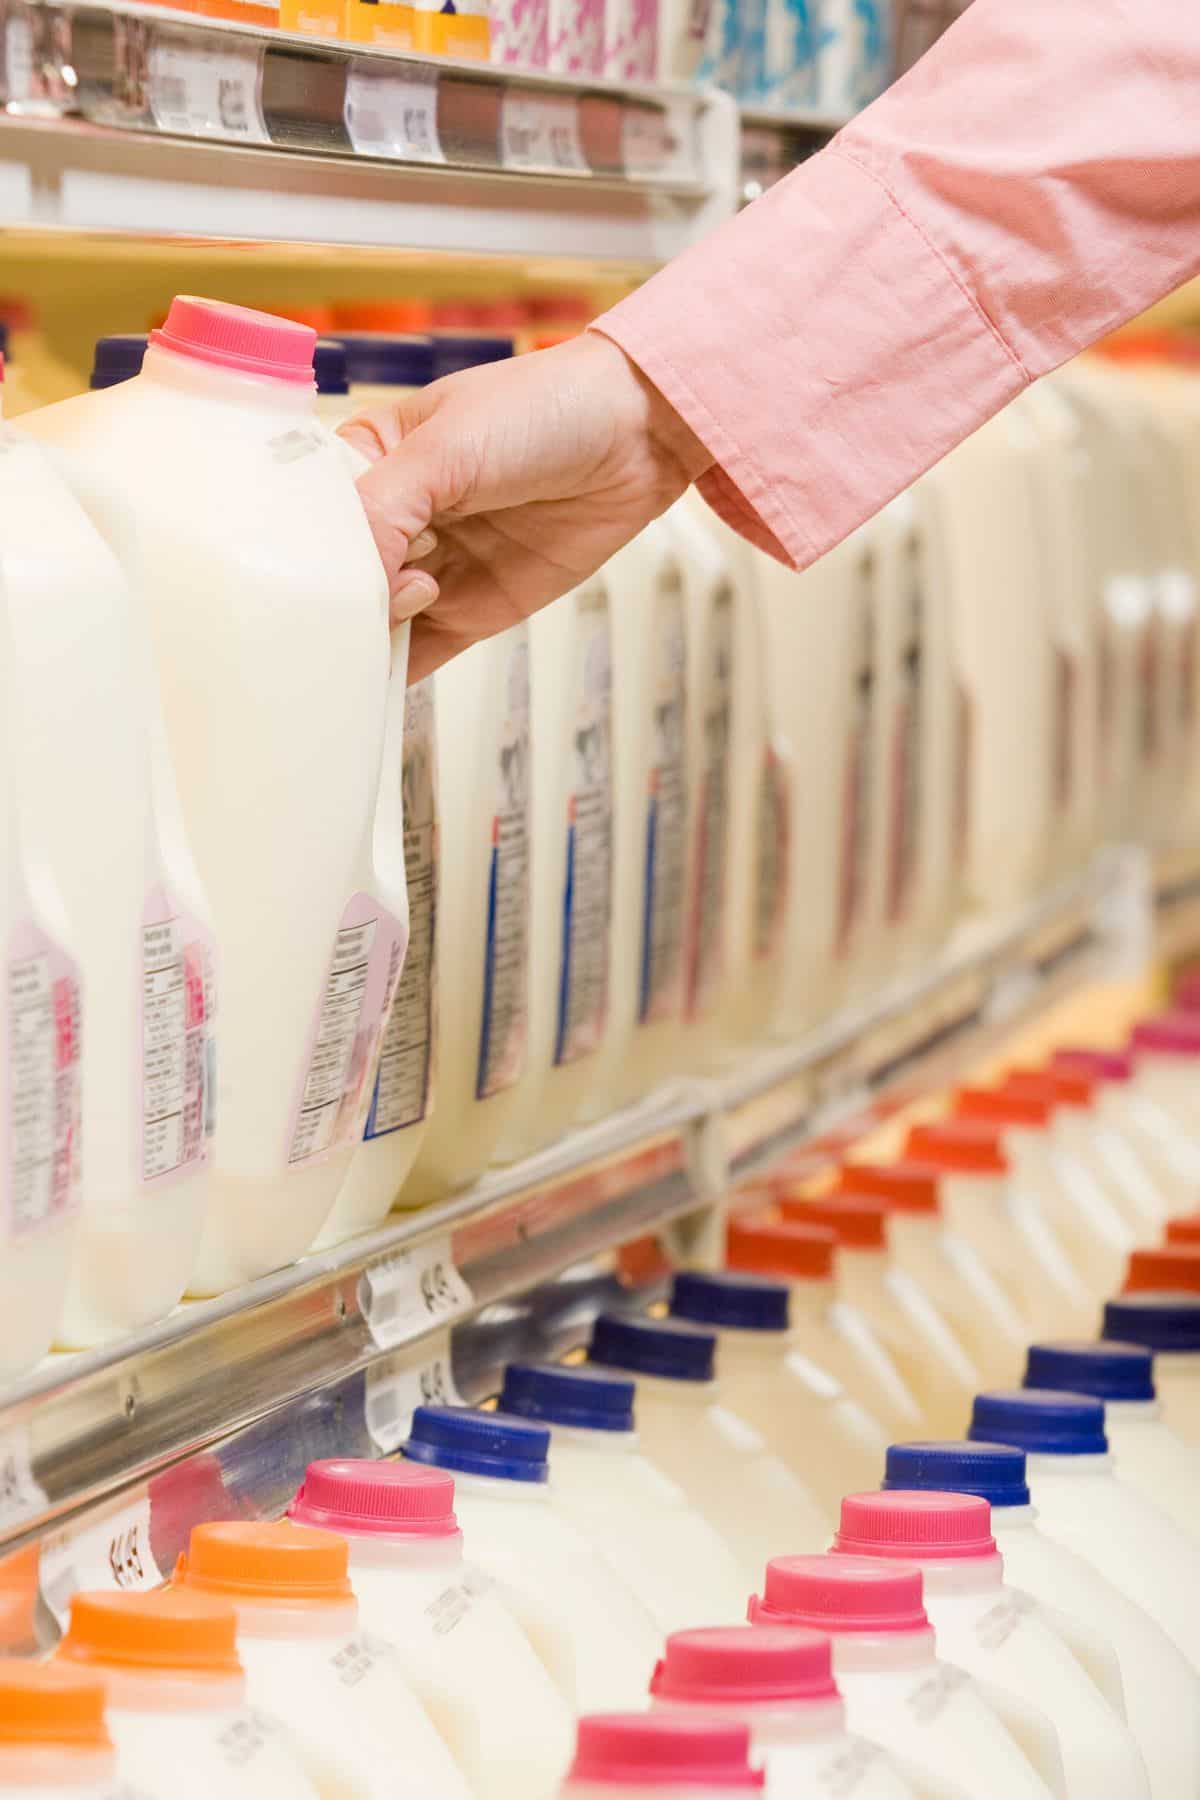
1041, 1420
117, 359
568, 1396
330, 366
450, 353
996, 1472
1107, 1371
653, 1347
479, 1443
1156, 1321
376, 360
739, 1302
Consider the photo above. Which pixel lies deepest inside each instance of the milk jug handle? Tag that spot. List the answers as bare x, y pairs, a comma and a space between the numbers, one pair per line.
1033, 1731
1093, 1650
925, 1783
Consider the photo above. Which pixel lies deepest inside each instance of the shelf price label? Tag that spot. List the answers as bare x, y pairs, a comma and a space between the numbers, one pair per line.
405, 1293
539, 133
398, 1384
112, 1552
198, 91
643, 140
393, 115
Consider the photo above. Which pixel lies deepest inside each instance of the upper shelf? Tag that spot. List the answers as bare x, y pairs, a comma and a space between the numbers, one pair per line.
146, 123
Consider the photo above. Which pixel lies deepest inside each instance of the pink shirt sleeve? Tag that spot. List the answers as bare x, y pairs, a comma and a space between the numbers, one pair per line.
1032, 183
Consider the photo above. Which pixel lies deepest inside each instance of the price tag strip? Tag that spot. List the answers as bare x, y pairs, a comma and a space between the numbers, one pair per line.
199, 91
393, 115
111, 1552
398, 1384
540, 133
407, 1292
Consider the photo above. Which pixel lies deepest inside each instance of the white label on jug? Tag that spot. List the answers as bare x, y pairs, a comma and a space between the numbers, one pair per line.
904, 837
409, 1290
452, 1605
771, 827
848, 1765
43, 1083
178, 1043
401, 1095
354, 1660
505, 1017
707, 935
661, 980
587, 893
997, 1625
21, 1494
353, 1005
111, 1553
1063, 738
927, 1700
396, 1385
856, 774
244, 1737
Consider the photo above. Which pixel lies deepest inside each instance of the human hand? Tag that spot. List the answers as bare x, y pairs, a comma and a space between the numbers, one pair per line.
495, 490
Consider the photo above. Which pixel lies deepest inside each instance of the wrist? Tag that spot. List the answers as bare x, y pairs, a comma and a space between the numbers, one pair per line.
662, 424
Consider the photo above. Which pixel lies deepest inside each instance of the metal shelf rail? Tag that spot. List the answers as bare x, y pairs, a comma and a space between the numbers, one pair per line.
108, 1457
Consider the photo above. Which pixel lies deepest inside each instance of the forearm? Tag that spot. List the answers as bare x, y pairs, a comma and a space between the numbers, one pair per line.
1031, 184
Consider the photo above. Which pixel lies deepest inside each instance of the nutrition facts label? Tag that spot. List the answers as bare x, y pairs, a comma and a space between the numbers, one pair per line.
505, 1016
177, 1041
707, 935
43, 1058
351, 1011
401, 1095
770, 854
587, 897
660, 988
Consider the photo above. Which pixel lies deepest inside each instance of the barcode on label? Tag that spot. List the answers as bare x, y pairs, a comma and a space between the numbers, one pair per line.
109, 1553
199, 92
392, 115
541, 131
412, 1289
397, 1385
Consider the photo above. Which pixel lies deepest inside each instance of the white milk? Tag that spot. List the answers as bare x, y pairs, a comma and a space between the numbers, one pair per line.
131, 1120
485, 799
176, 1693
925, 1348
1166, 1053
773, 1375
340, 1692
218, 429
584, 1621
948, 1267
464, 1655
824, 623
1104, 1137
984, 498
778, 1680
988, 1201
646, 1756
840, 1337
54, 1743
994, 1631
1165, 1158
1083, 1503
926, 1712
729, 1472
1147, 1453
1168, 1324
663, 1548
652, 850
1130, 1657
571, 852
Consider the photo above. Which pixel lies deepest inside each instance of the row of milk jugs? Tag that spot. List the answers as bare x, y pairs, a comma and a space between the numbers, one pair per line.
695, 802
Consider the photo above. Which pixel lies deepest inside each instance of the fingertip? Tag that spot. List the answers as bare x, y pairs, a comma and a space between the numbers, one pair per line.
412, 593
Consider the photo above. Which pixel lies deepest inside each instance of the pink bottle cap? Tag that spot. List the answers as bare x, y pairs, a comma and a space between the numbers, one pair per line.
376, 1499
1102, 1065
726, 1664
913, 1523
840, 1593
1186, 992
667, 1750
235, 337
1173, 1033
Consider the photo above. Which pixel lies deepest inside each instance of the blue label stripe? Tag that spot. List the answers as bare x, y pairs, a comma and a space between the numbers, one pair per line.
564, 973
648, 909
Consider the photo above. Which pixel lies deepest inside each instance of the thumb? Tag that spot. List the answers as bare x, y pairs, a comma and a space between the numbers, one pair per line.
399, 501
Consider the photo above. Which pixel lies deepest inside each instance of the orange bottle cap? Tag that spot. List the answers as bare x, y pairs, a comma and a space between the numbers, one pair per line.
960, 1146
268, 1562
1064, 1087
857, 1221
51, 1703
1174, 1268
1184, 1231
797, 1252
166, 1630
396, 317
1005, 1107
900, 1186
